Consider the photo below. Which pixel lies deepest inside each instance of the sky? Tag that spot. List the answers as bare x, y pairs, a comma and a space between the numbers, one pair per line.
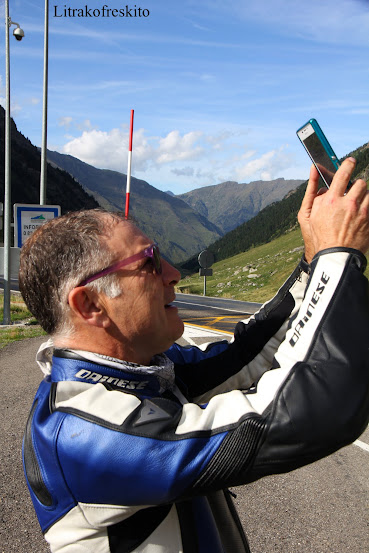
218, 88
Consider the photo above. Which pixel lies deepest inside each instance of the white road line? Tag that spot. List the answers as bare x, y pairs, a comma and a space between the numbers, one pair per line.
361, 444
211, 307
192, 331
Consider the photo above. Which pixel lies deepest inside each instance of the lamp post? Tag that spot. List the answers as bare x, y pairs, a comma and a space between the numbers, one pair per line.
43, 174
19, 34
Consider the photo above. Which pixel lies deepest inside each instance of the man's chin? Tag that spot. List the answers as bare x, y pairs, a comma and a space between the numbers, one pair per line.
177, 330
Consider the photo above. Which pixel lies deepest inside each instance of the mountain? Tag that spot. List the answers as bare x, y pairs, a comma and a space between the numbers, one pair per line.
230, 204
179, 230
62, 189
272, 221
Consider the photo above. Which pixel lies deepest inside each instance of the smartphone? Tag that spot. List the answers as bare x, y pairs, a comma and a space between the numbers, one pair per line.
319, 150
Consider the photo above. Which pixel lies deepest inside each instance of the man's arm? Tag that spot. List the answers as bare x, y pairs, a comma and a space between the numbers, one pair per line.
224, 366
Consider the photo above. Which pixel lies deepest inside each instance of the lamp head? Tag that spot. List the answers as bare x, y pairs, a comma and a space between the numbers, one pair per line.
18, 33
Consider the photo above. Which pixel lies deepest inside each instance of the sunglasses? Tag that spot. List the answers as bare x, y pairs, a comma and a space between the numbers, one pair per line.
151, 252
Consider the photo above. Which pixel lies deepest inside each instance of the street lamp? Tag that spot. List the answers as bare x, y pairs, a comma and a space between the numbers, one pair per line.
19, 34
43, 173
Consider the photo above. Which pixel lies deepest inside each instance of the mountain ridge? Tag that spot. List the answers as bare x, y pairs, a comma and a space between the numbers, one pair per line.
171, 222
229, 204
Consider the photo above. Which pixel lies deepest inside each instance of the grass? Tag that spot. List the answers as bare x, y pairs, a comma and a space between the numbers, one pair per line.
254, 275
24, 325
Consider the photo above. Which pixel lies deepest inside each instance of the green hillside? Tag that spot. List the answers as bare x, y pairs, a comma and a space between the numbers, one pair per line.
255, 275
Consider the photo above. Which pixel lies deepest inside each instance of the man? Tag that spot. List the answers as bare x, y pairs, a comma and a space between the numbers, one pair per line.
127, 449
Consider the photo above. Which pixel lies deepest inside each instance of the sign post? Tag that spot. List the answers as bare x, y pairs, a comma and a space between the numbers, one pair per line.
28, 217
205, 259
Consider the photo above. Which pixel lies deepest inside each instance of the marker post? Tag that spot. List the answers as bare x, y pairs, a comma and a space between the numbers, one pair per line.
128, 185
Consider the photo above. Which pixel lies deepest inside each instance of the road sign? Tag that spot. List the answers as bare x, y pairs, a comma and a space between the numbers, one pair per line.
206, 272
206, 259
28, 217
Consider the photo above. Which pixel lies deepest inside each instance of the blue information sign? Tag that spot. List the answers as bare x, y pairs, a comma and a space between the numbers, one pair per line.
28, 217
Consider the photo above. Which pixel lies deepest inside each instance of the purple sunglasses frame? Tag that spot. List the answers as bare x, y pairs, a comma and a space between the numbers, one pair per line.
152, 252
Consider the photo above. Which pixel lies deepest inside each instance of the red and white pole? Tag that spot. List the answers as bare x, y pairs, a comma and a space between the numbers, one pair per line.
128, 185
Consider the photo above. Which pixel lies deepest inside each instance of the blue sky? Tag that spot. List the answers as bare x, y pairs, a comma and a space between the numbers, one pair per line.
218, 88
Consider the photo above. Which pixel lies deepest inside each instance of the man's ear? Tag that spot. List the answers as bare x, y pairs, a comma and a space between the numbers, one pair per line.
87, 307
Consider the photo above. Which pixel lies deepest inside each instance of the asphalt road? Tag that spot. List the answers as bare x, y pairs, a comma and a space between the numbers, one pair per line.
322, 508
213, 313
13, 284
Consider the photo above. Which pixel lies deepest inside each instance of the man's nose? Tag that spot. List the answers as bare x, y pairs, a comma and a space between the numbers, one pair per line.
170, 274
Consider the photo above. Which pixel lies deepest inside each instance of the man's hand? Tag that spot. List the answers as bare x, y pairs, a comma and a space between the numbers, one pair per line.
337, 219
333, 218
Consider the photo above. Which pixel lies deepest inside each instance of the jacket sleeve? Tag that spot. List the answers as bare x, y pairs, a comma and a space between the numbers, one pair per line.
224, 366
316, 398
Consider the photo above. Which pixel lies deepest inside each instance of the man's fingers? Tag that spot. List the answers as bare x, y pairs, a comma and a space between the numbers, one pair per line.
342, 177
311, 189
358, 190
364, 206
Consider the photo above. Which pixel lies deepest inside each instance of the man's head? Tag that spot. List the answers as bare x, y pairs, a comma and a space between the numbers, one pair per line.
124, 310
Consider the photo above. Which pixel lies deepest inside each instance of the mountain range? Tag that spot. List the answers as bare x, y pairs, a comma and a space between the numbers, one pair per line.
183, 225
229, 204
180, 231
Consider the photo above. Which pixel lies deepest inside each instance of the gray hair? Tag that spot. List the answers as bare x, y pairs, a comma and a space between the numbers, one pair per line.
58, 256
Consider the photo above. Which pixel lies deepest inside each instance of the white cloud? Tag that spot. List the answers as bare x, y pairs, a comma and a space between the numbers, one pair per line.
164, 156
266, 167
174, 147
85, 125
65, 122
109, 149
100, 149
185, 172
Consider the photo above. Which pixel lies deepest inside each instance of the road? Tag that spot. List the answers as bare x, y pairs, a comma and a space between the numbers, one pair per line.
321, 508
13, 284
213, 313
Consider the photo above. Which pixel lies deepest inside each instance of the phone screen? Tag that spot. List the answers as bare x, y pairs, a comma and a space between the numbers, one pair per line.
318, 153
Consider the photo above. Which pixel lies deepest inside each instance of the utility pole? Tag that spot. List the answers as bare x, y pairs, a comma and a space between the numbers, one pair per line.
43, 173
18, 34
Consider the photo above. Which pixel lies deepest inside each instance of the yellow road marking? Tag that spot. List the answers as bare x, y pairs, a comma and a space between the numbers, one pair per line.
208, 327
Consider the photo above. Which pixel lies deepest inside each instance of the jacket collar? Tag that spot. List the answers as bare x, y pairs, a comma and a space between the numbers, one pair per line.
65, 364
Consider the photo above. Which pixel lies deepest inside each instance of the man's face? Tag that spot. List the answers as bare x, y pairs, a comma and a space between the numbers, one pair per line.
142, 317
